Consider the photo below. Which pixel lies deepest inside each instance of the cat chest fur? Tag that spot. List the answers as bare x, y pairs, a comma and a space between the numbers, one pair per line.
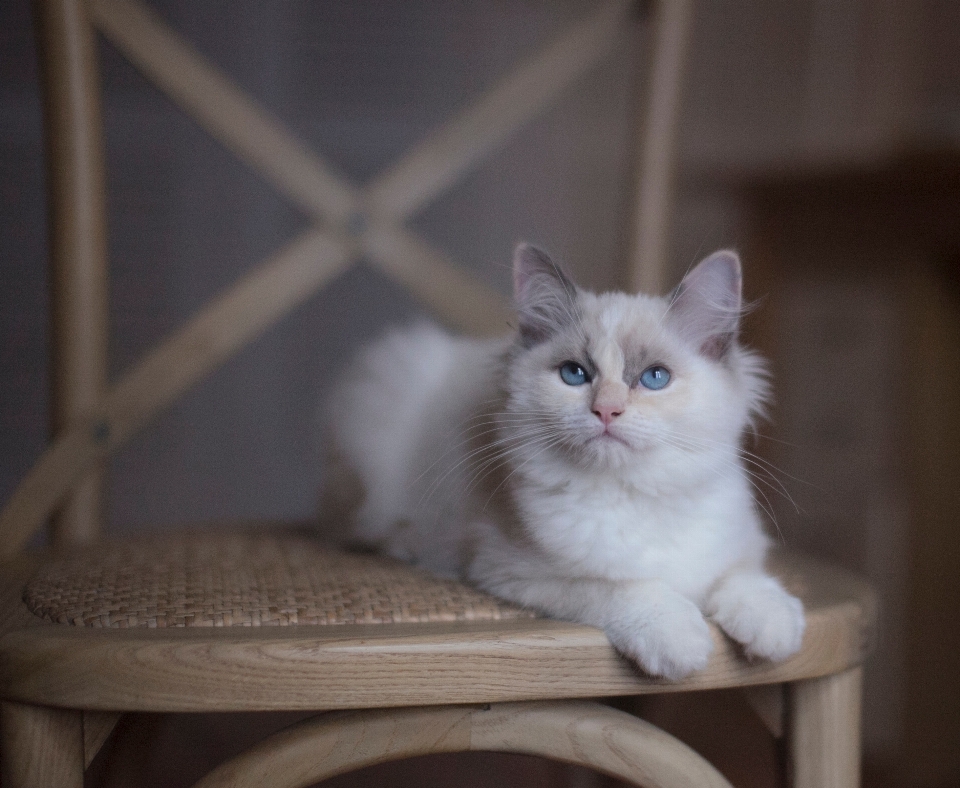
603, 528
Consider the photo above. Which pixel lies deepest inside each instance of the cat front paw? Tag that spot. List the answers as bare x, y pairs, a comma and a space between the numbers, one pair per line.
756, 611
664, 632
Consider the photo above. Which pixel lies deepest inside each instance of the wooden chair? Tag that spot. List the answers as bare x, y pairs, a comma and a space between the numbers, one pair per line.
252, 620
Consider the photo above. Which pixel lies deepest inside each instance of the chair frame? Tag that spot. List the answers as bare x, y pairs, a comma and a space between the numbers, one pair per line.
92, 420
449, 687
64, 688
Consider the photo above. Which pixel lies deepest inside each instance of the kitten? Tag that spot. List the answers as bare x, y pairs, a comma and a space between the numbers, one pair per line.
589, 467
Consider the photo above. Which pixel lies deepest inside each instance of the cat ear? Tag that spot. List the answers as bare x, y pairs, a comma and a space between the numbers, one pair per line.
706, 306
545, 296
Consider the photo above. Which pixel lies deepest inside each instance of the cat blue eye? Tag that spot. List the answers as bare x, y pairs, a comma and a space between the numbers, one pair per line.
655, 378
573, 374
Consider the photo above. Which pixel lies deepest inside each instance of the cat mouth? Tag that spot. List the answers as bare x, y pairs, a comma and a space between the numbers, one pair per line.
607, 436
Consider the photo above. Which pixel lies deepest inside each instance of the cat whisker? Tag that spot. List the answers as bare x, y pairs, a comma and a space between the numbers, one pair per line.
777, 440
767, 480
467, 435
489, 414
755, 460
766, 505
679, 442
519, 467
744, 453
488, 466
465, 441
495, 447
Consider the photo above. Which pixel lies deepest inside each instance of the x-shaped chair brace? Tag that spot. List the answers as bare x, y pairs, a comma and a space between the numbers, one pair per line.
348, 222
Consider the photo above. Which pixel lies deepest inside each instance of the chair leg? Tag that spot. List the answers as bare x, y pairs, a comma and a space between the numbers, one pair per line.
40, 747
824, 731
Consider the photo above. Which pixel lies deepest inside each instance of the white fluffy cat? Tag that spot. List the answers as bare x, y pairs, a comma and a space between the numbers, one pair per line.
589, 467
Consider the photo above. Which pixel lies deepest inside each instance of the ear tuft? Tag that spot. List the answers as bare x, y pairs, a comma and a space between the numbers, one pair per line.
707, 304
545, 296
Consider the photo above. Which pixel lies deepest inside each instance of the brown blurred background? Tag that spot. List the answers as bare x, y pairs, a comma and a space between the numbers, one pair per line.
819, 137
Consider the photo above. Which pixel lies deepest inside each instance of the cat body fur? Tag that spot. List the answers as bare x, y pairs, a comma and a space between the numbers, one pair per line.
603, 502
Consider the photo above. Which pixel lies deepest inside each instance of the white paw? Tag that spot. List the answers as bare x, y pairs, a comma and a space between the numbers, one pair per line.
664, 632
754, 610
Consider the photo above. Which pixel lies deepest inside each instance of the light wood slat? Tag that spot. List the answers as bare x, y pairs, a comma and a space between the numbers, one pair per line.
658, 145
45, 485
824, 730
78, 240
458, 145
598, 737
40, 747
226, 112
247, 308
287, 279
454, 295
580, 732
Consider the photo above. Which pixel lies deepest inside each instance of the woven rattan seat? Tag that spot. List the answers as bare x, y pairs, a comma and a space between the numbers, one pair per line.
213, 580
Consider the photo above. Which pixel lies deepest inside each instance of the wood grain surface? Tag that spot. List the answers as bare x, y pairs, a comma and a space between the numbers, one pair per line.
40, 747
824, 736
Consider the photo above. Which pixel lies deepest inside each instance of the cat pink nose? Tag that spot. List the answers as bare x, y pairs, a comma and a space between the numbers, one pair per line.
607, 413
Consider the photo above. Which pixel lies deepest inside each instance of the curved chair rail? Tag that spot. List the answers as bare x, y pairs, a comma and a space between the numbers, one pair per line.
580, 732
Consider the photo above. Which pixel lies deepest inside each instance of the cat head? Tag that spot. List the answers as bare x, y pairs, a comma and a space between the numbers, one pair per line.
619, 381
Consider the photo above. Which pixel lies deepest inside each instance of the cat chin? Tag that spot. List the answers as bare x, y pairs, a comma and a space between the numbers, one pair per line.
606, 453
624, 446
636, 459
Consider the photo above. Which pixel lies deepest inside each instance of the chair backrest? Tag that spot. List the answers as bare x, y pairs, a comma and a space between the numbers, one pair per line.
91, 420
